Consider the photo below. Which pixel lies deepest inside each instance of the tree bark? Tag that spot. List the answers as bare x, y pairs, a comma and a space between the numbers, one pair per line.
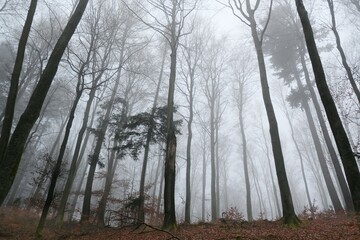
107, 189
338, 169
170, 159
244, 151
341, 50
341, 139
13, 154
289, 215
8, 113
102, 131
203, 181
141, 215
57, 169
298, 151
320, 154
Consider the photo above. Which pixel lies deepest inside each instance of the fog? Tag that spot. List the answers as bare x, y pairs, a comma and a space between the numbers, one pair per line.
120, 66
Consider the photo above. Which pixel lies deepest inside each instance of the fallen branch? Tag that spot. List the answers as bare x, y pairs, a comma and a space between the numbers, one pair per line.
158, 229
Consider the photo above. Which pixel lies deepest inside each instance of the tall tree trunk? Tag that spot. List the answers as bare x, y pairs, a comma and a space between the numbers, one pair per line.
170, 159
341, 50
81, 157
341, 139
96, 155
275, 192
285, 193
102, 131
217, 159
298, 151
324, 130
14, 151
157, 174
214, 216
320, 154
100, 217
75, 159
141, 215
203, 182
244, 153
57, 169
14, 82
188, 147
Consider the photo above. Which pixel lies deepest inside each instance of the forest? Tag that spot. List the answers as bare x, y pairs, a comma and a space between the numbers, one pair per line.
179, 119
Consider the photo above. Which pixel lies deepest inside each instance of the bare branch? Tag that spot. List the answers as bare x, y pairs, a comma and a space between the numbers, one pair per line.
239, 7
267, 22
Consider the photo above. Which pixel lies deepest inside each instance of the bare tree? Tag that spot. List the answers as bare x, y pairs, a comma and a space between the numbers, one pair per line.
340, 48
192, 50
141, 216
212, 69
168, 19
243, 69
245, 12
350, 166
17, 142
14, 82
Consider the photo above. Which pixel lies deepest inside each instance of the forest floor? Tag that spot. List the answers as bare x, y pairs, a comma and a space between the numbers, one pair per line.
20, 224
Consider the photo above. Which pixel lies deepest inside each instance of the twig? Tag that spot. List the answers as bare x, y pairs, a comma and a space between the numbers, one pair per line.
158, 229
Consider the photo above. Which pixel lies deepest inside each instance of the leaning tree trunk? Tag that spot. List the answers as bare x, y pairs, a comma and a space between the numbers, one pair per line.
341, 139
108, 181
298, 151
341, 51
289, 215
57, 169
102, 131
8, 113
75, 159
95, 157
338, 169
320, 154
14, 151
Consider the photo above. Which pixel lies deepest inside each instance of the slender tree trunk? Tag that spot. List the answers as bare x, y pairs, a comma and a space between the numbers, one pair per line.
102, 131
341, 51
214, 216
188, 149
95, 157
320, 154
217, 159
203, 183
141, 215
157, 174
8, 167
285, 193
329, 144
161, 189
108, 181
350, 166
75, 159
298, 151
81, 156
14, 82
275, 192
57, 169
244, 153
